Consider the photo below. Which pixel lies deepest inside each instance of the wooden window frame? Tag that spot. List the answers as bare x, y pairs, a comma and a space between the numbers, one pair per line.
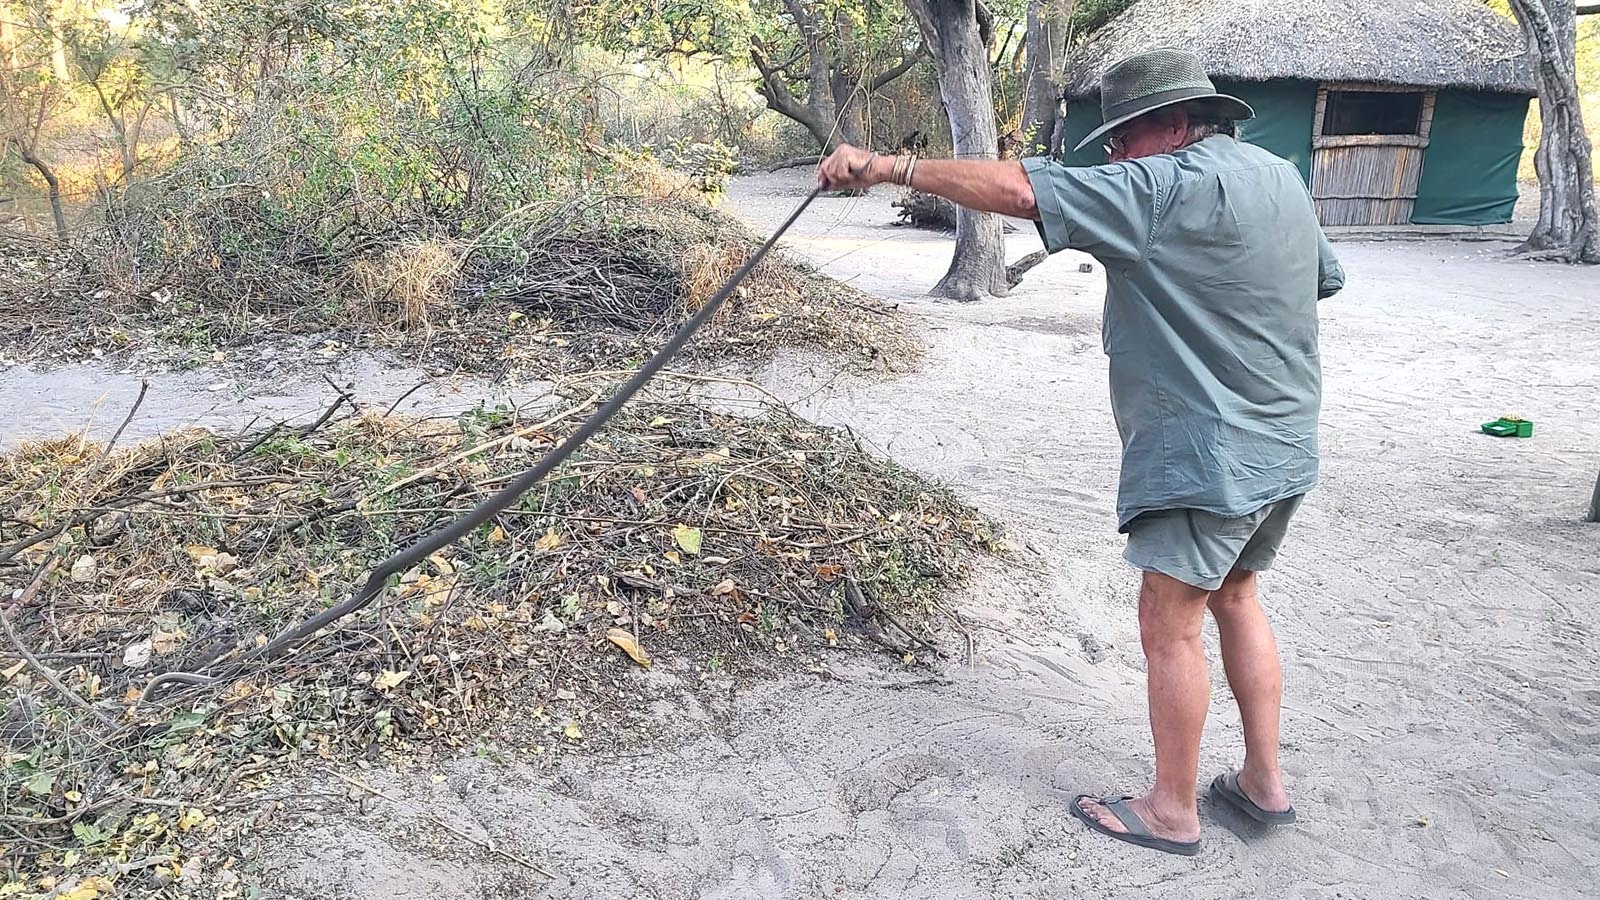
1424, 127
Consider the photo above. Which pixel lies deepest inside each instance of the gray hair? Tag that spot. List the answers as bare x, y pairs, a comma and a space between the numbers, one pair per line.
1207, 119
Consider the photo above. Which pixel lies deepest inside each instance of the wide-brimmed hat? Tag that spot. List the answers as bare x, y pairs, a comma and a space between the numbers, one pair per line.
1159, 78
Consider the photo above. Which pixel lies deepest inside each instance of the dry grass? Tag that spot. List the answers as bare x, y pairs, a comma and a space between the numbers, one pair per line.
648, 179
407, 286
707, 267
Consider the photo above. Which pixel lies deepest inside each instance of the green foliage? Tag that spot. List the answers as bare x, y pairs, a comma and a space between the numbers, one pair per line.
719, 28
1089, 15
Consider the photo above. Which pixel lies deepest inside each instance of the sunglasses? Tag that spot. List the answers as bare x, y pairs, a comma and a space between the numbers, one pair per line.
1115, 144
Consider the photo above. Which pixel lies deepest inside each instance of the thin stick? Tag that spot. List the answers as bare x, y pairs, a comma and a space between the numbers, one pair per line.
328, 414
88, 478
483, 845
105, 455
402, 398
33, 662
488, 445
32, 589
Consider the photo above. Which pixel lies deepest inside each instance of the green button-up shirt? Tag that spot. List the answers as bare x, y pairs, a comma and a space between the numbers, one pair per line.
1214, 265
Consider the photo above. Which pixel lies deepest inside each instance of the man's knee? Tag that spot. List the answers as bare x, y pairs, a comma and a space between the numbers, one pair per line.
1238, 591
1169, 610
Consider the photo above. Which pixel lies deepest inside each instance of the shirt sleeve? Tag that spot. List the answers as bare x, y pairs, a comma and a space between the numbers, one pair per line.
1330, 275
1106, 211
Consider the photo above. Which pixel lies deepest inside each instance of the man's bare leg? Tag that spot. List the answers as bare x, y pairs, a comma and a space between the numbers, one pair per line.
1171, 615
1250, 657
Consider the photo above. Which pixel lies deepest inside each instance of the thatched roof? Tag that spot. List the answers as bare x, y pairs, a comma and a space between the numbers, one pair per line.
1430, 43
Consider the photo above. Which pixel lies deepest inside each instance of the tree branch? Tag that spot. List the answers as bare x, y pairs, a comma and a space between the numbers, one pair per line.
985, 22
905, 65
773, 89
1588, 9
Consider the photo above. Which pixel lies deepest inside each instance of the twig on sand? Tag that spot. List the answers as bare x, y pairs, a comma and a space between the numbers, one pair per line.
795, 163
483, 845
343, 398
402, 398
105, 455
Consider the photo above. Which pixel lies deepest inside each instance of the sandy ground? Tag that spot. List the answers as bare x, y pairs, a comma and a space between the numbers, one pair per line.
1434, 605
94, 398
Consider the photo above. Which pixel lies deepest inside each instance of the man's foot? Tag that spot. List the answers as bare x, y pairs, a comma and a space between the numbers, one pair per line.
1139, 821
1265, 792
1235, 789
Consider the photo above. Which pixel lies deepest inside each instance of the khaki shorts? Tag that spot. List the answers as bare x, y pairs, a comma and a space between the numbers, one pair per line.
1200, 549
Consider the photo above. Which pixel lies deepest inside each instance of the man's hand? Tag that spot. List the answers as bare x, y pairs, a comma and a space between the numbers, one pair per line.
985, 185
851, 168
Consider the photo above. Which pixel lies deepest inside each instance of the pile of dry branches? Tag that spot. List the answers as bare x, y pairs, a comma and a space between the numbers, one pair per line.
557, 288
691, 534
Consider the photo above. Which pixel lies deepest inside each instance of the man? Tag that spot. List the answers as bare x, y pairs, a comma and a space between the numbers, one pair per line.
1214, 265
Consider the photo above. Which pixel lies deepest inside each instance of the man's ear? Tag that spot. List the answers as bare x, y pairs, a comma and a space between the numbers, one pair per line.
1178, 127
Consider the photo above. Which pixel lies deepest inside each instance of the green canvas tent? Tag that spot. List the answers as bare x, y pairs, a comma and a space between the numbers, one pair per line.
1396, 111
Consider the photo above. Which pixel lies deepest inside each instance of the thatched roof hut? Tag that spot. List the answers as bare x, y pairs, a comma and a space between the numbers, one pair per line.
1424, 43
1396, 111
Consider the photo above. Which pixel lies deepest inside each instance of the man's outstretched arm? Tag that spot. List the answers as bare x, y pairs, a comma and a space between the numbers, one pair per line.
986, 185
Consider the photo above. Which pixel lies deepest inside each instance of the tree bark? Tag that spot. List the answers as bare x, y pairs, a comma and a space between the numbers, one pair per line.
956, 34
834, 109
1044, 78
1568, 229
51, 182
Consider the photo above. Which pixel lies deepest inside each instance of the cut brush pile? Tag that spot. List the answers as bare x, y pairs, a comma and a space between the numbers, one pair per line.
551, 289
691, 536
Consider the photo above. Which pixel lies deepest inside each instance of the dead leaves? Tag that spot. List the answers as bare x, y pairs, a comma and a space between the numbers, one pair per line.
390, 679
629, 644
550, 541
688, 539
649, 545
210, 560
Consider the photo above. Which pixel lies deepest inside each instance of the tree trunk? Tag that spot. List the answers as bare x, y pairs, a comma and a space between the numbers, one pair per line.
1042, 106
119, 127
954, 34
834, 110
850, 110
1568, 229
50, 180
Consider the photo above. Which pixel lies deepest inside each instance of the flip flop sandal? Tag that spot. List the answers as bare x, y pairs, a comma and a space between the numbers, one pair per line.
1226, 788
1138, 833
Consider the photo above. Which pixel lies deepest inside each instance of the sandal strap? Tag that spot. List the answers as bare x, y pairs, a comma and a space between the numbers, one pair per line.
1125, 814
